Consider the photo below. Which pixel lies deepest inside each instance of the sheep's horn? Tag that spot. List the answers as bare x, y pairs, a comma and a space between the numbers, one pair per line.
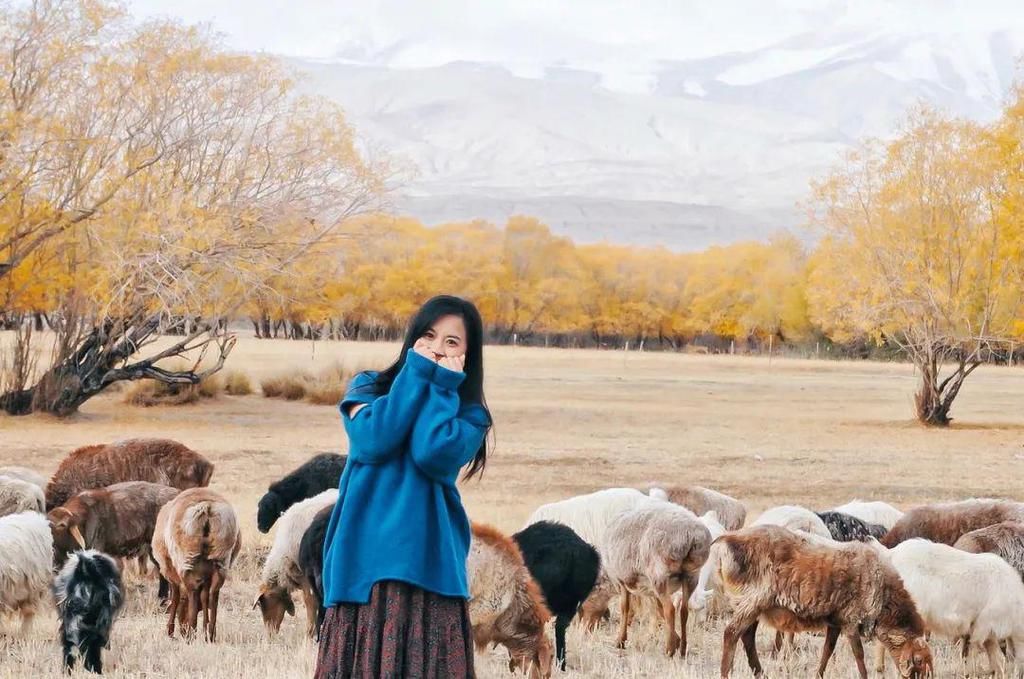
77, 535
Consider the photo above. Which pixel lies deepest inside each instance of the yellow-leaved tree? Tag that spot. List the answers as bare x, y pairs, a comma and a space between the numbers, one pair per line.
921, 248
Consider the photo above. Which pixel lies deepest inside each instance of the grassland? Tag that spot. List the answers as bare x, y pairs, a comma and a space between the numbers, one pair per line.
814, 433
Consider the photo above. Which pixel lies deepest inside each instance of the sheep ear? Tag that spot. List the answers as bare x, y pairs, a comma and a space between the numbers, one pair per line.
258, 601
77, 535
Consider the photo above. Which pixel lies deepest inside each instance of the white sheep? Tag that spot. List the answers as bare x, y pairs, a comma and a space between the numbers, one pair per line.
281, 571
881, 513
700, 500
25, 474
26, 550
17, 496
590, 516
794, 518
654, 550
959, 594
705, 591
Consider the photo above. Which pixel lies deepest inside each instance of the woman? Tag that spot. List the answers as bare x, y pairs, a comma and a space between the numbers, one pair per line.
395, 553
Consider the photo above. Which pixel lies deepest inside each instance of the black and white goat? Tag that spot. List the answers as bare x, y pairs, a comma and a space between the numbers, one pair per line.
88, 594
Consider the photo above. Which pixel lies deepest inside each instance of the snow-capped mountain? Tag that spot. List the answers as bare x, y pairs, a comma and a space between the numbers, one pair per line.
690, 152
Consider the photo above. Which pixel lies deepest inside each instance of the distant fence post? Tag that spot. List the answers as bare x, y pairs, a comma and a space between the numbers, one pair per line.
771, 345
732, 347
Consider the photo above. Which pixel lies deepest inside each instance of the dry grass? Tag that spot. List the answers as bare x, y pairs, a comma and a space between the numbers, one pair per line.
325, 388
237, 383
817, 433
150, 393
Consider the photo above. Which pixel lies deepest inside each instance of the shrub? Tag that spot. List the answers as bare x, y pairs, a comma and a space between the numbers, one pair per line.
237, 383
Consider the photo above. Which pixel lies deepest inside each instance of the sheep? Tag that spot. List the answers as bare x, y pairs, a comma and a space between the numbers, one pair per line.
876, 512
959, 594
589, 516
282, 572
1004, 539
565, 567
654, 550
89, 594
312, 477
794, 518
195, 542
794, 583
154, 460
846, 527
25, 474
18, 496
703, 593
730, 512
117, 520
946, 522
26, 549
311, 560
505, 604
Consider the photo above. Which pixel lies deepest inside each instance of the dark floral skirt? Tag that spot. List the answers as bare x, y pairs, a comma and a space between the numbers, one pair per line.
403, 631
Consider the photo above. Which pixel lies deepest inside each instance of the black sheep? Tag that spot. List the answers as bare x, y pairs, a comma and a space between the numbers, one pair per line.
311, 560
312, 478
564, 566
847, 528
89, 595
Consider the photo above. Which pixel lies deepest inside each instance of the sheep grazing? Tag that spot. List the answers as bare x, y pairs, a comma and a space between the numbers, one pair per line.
506, 606
195, 542
655, 550
25, 474
311, 478
947, 522
117, 520
26, 550
1004, 539
311, 560
154, 460
589, 516
89, 595
704, 592
17, 495
876, 512
794, 518
962, 595
730, 512
565, 567
847, 528
282, 572
795, 583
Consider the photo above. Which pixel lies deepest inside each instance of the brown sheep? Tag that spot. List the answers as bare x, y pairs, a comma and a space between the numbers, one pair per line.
947, 522
117, 520
155, 460
796, 584
506, 605
195, 542
700, 500
1004, 539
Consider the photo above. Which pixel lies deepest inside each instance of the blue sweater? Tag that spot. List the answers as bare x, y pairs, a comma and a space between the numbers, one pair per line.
399, 515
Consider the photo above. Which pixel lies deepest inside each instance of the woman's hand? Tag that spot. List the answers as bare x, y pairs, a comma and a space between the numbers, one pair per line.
453, 363
422, 347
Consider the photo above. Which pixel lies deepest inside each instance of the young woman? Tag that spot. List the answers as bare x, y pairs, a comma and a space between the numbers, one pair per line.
395, 553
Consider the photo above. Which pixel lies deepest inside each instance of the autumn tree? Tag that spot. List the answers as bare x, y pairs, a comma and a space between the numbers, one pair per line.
202, 180
921, 249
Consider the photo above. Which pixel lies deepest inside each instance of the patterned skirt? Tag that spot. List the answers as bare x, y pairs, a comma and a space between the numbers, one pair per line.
403, 631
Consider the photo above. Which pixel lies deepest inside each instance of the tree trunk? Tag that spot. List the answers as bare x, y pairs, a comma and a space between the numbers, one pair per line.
935, 398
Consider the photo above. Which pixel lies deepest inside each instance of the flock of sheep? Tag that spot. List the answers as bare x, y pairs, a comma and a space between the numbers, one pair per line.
864, 570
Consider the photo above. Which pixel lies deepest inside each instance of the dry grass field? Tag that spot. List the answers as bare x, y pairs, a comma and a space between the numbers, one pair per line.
814, 433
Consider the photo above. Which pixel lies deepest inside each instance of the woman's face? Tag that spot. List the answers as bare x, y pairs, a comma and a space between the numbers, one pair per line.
447, 337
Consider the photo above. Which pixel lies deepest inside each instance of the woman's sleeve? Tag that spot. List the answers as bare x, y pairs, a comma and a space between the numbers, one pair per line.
378, 430
445, 437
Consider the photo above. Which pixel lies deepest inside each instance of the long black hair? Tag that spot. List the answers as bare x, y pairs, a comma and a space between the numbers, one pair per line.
472, 388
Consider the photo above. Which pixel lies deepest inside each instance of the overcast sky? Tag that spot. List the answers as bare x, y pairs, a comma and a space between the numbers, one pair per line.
525, 34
